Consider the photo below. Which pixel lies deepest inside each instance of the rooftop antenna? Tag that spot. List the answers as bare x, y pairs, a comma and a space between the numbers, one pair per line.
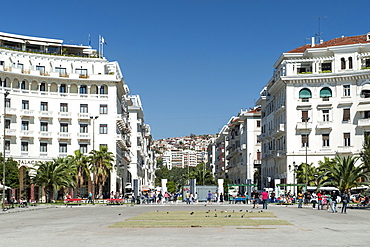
318, 35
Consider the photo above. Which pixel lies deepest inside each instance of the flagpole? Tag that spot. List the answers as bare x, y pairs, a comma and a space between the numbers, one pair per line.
102, 48
99, 45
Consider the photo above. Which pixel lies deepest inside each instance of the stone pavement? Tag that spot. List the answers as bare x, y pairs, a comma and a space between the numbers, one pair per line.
88, 225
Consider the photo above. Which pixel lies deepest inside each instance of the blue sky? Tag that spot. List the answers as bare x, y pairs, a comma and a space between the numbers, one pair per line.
195, 63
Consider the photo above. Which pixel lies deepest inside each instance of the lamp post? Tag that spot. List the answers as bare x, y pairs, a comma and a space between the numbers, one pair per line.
306, 144
295, 167
3, 199
93, 118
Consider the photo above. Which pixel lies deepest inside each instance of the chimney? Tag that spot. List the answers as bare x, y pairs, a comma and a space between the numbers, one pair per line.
313, 41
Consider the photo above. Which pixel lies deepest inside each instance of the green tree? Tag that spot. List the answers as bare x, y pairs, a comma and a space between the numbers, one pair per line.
307, 172
80, 163
11, 172
365, 153
101, 164
53, 175
343, 173
202, 174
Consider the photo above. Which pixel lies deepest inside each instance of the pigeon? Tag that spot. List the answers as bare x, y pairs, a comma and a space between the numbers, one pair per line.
215, 209
215, 215
229, 215
207, 215
233, 211
242, 216
241, 210
246, 211
207, 212
157, 211
191, 213
167, 212
261, 210
119, 214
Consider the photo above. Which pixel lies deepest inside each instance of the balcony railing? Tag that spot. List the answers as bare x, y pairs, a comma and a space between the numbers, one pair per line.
364, 122
304, 125
64, 114
26, 133
64, 135
84, 136
46, 114
324, 125
27, 112
45, 134
84, 115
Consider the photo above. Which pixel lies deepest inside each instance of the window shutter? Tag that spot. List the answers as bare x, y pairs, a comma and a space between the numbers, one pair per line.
346, 114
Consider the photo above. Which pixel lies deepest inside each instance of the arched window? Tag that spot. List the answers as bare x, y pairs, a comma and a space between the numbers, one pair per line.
325, 93
305, 94
350, 63
343, 63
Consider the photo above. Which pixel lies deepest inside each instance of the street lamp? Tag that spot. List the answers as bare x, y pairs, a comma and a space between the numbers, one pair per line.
295, 167
93, 118
3, 199
306, 144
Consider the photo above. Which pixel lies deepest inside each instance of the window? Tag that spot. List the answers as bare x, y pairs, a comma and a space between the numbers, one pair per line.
325, 140
7, 145
326, 67
103, 129
103, 109
325, 115
44, 106
63, 127
62, 147
365, 93
305, 117
102, 90
24, 146
350, 63
24, 125
258, 123
43, 147
342, 63
63, 107
81, 71
102, 145
7, 103
23, 85
41, 69
346, 90
366, 114
83, 128
63, 88
84, 108
20, 66
44, 126
83, 148
25, 105
305, 94
83, 89
304, 140
346, 115
43, 87
7, 123
61, 71
347, 139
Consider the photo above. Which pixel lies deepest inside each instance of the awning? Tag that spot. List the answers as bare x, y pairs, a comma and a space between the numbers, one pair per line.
12, 39
325, 92
366, 87
305, 93
31, 42
363, 107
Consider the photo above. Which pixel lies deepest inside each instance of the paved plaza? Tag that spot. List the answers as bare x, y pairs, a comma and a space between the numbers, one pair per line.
88, 226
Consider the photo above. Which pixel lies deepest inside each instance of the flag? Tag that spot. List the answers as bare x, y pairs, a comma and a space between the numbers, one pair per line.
89, 40
103, 41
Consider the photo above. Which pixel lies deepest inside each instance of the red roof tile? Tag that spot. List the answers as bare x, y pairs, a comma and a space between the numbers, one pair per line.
334, 42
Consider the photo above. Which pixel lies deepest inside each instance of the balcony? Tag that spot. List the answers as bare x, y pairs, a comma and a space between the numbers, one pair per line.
11, 111
45, 114
10, 132
121, 122
26, 133
364, 122
64, 115
83, 115
324, 125
83, 136
279, 130
27, 113
45, 134
304, 125
64, 135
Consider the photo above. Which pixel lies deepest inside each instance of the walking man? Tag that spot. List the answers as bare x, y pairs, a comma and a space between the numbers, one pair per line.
265, 197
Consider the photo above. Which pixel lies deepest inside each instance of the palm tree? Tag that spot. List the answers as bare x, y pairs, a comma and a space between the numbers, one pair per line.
80, 165
343, 174
308, 172
101, 165
53, 175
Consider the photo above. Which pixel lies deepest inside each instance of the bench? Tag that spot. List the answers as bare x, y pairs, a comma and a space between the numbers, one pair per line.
73, 201
238, 199
114, 201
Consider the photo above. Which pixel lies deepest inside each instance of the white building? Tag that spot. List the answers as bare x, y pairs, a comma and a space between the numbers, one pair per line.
243, 148
316, 105
142, 164
61, 98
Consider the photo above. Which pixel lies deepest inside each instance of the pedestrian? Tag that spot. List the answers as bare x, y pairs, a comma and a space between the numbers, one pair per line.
221, 197
265, 197
300, 199
345, 199
209, 197
319, 200
255, 198
307, 198
90, 197
313, 199
334, 197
